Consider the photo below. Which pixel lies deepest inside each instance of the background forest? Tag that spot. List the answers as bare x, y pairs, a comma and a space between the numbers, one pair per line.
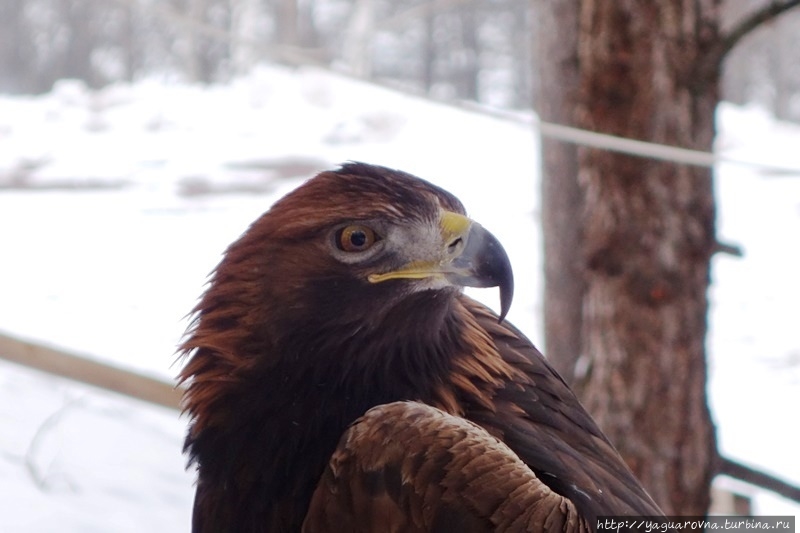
474, 50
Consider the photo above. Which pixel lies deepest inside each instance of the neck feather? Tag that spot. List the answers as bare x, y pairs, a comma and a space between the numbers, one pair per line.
263, 431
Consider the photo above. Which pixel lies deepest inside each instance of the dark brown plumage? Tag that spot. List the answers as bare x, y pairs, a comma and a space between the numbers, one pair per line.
338, 379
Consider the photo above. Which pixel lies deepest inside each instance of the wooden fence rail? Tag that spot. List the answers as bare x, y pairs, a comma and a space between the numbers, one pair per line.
80, 368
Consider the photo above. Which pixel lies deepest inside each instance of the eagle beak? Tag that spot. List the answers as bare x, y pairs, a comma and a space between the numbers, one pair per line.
482, 262
470, 257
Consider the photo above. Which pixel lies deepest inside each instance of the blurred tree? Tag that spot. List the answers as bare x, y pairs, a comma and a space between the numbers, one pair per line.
75, 34
16, 48
628, 241
466, 61
247, 18
357, 47
452, 49
293, 25
128, 43
206, 40
466, 49
287, 22
429, 53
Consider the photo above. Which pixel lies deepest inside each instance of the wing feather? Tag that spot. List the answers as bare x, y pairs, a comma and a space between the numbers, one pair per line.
408, 467
540, 418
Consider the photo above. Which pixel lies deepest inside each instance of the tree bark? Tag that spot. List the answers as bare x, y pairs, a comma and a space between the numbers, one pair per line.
562, 201
633, 237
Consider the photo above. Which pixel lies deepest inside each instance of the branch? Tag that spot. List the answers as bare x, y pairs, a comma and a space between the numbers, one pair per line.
750, 23
42, 476
709, 65
418, 12
736, 470
727, 248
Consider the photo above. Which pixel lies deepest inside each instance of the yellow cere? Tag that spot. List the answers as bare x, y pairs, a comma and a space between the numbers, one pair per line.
453, 225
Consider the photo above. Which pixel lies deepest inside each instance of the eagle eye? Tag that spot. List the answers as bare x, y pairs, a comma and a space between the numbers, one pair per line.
355, 238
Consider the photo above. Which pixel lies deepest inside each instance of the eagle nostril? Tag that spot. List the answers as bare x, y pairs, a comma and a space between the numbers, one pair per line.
454, 246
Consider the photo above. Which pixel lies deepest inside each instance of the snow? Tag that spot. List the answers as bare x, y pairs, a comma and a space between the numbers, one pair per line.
116, 204
754, 349
85, 460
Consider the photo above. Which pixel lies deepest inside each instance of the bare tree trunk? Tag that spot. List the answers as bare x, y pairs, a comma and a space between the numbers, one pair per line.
629, 291
648, 244
244, 34
193, 61
287, 21
358, 38
129, 41
468, 68
562, 201
783, 67
525, 59
429, 55
75, 59
16, 48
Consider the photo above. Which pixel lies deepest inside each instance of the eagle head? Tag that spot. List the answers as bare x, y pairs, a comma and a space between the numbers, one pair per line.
352, 243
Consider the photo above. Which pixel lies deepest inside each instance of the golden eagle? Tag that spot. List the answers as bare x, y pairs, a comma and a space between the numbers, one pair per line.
339, 379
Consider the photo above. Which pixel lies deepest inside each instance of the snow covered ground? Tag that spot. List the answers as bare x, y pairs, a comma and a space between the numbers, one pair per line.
116, 204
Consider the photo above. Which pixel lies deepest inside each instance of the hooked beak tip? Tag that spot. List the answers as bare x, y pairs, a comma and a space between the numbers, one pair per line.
484, 263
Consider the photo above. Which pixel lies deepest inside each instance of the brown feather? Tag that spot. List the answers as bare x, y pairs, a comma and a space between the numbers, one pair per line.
290, 346
408, 467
